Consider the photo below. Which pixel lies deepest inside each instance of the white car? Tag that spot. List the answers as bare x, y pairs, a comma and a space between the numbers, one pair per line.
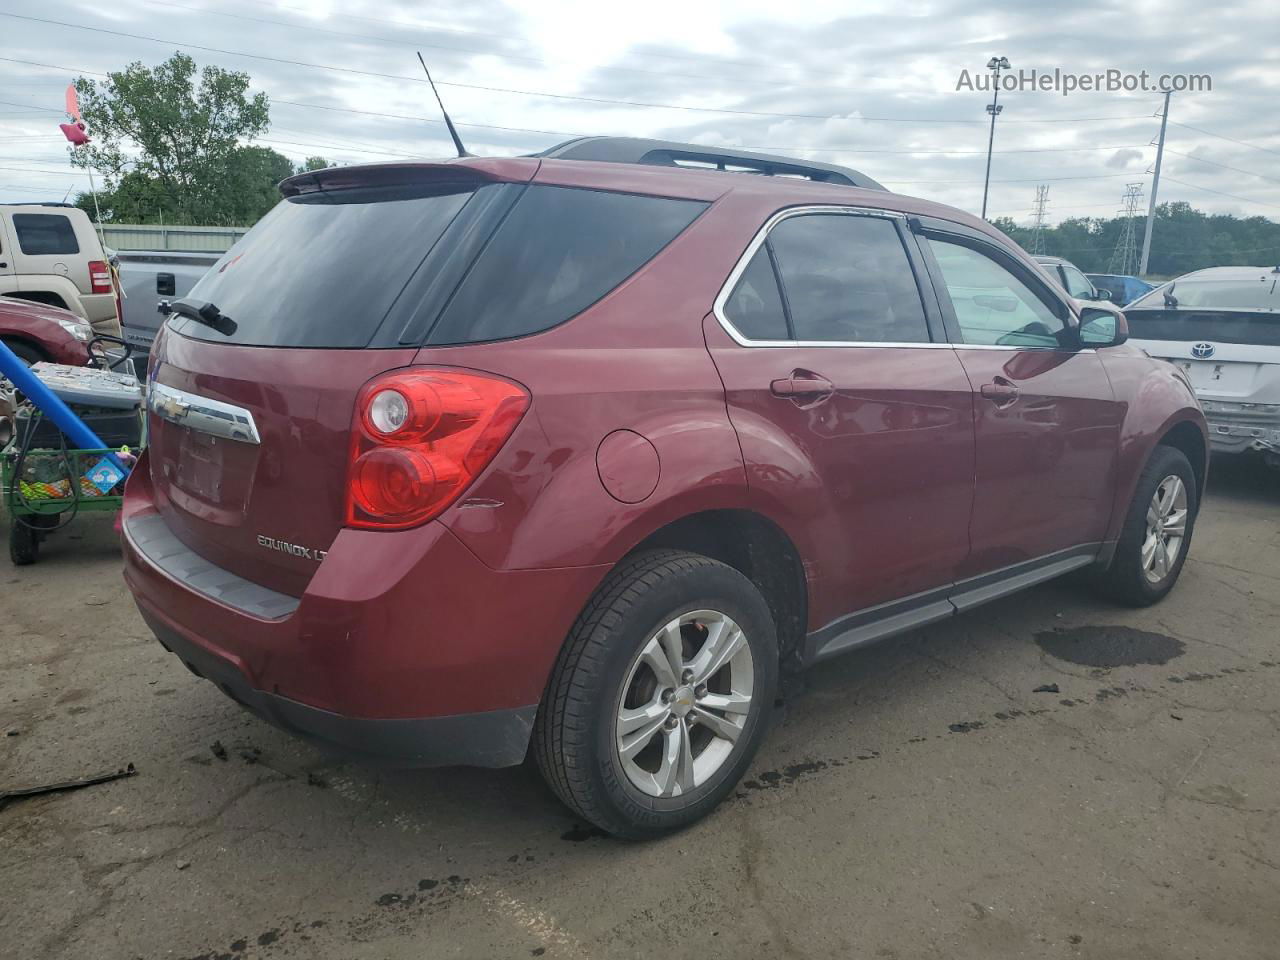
1071, 279
1222, 326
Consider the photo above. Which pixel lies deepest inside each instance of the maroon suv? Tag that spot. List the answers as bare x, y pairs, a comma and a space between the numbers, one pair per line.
583, 450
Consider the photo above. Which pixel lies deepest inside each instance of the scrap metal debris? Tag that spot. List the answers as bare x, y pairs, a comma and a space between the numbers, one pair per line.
22, 793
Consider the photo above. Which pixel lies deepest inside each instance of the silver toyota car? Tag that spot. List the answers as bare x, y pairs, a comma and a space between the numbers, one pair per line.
1222, 325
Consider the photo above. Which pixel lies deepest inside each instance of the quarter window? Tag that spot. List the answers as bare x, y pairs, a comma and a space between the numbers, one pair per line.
45, 234
755, 306
847, 278
992, 306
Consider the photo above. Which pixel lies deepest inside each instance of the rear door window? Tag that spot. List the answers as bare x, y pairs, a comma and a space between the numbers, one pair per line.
847, 278
560, 250
45, 234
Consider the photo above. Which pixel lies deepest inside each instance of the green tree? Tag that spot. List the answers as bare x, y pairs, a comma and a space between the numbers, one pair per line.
1183, 239
173, 138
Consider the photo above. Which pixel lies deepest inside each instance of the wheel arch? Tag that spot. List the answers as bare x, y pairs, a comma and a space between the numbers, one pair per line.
49, 298
756, 547
1188, 438
17, 339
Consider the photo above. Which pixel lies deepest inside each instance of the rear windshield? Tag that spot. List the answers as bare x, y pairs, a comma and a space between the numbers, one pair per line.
45, 234
1252, 293
323, 269
1252, 328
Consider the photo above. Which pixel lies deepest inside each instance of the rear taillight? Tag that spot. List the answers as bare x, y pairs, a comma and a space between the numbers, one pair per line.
100, 277
420, 437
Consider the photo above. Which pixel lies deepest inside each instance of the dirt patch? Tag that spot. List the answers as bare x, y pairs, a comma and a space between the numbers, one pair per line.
1110, 646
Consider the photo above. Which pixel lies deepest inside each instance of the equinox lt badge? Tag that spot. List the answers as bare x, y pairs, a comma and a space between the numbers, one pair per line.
271, 543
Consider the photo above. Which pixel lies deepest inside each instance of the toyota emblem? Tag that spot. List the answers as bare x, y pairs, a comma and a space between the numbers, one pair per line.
1202, 351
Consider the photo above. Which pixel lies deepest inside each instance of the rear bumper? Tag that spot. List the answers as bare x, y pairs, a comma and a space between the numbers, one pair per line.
1235, 431
496, 738
404, 647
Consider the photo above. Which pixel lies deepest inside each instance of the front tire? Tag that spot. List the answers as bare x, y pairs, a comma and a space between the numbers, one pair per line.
1157, 531
661, 694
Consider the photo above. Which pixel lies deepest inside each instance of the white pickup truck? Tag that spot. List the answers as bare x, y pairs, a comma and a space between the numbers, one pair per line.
1221, 325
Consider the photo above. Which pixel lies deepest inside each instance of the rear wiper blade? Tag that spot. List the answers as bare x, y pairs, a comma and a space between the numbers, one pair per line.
1170, 300
201, 311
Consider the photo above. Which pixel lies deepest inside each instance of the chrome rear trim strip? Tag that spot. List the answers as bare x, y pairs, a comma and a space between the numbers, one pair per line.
213, 417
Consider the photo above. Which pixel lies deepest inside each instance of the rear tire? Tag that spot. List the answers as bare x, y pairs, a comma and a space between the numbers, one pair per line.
24, 543
1157, 531
660, 696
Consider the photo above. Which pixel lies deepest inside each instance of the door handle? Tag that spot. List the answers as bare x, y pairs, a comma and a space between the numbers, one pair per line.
802, 385
1002, 391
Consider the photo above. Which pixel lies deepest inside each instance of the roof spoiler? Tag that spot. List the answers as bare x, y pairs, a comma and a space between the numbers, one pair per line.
670, 153
473, 171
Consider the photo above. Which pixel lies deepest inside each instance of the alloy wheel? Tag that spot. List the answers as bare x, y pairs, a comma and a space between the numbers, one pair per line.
684, 704
1166, 528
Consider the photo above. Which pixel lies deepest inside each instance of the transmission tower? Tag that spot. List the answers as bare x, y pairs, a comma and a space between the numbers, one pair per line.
1037, 234
1124, 261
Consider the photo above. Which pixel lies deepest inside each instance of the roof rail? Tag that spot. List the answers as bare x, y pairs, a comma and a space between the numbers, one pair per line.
35, 203
669, 153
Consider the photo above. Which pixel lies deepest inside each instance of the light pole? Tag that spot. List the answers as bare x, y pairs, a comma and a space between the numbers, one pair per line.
995, 65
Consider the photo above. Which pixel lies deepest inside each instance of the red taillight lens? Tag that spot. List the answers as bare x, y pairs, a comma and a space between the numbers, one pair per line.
420, 437
100, 277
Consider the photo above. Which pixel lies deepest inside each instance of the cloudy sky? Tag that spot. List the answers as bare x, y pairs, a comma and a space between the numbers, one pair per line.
867, 84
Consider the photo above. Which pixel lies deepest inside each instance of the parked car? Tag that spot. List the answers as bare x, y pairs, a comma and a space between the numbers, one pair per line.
580, 451
1069, 277
1122, 289
38, 332
1222, 326
50, 254
149, 276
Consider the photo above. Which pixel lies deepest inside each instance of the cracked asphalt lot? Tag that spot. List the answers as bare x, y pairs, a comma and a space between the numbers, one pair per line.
919, 799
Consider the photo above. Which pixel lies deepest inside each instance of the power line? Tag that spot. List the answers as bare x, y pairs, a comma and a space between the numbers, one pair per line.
1215, 163
1100, 176
1243, 143
1221, 194
536, 93
437, 46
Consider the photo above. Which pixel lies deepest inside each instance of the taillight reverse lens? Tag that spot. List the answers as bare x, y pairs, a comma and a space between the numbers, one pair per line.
100, 277
420, 437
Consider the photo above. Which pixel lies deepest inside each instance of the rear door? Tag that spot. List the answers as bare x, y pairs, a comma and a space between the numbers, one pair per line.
249, 433
855, 421
1046, 421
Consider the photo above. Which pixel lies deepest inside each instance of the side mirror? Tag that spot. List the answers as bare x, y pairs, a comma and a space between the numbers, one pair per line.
1100, 294
1100, 327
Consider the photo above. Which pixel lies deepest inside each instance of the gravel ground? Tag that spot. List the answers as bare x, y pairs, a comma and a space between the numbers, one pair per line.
919, 799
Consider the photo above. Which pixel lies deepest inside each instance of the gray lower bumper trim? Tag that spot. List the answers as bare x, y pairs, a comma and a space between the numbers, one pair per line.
152, 538
495, 738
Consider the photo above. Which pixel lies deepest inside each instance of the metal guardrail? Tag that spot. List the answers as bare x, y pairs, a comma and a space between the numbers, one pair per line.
124, 237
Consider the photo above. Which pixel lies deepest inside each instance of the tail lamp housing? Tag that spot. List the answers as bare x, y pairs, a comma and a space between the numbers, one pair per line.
100, 277
420, 437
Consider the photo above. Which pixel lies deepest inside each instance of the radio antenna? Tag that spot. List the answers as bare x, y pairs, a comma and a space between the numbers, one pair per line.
457, 140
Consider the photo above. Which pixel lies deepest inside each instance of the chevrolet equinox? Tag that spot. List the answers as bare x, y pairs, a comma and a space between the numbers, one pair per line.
581, 452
